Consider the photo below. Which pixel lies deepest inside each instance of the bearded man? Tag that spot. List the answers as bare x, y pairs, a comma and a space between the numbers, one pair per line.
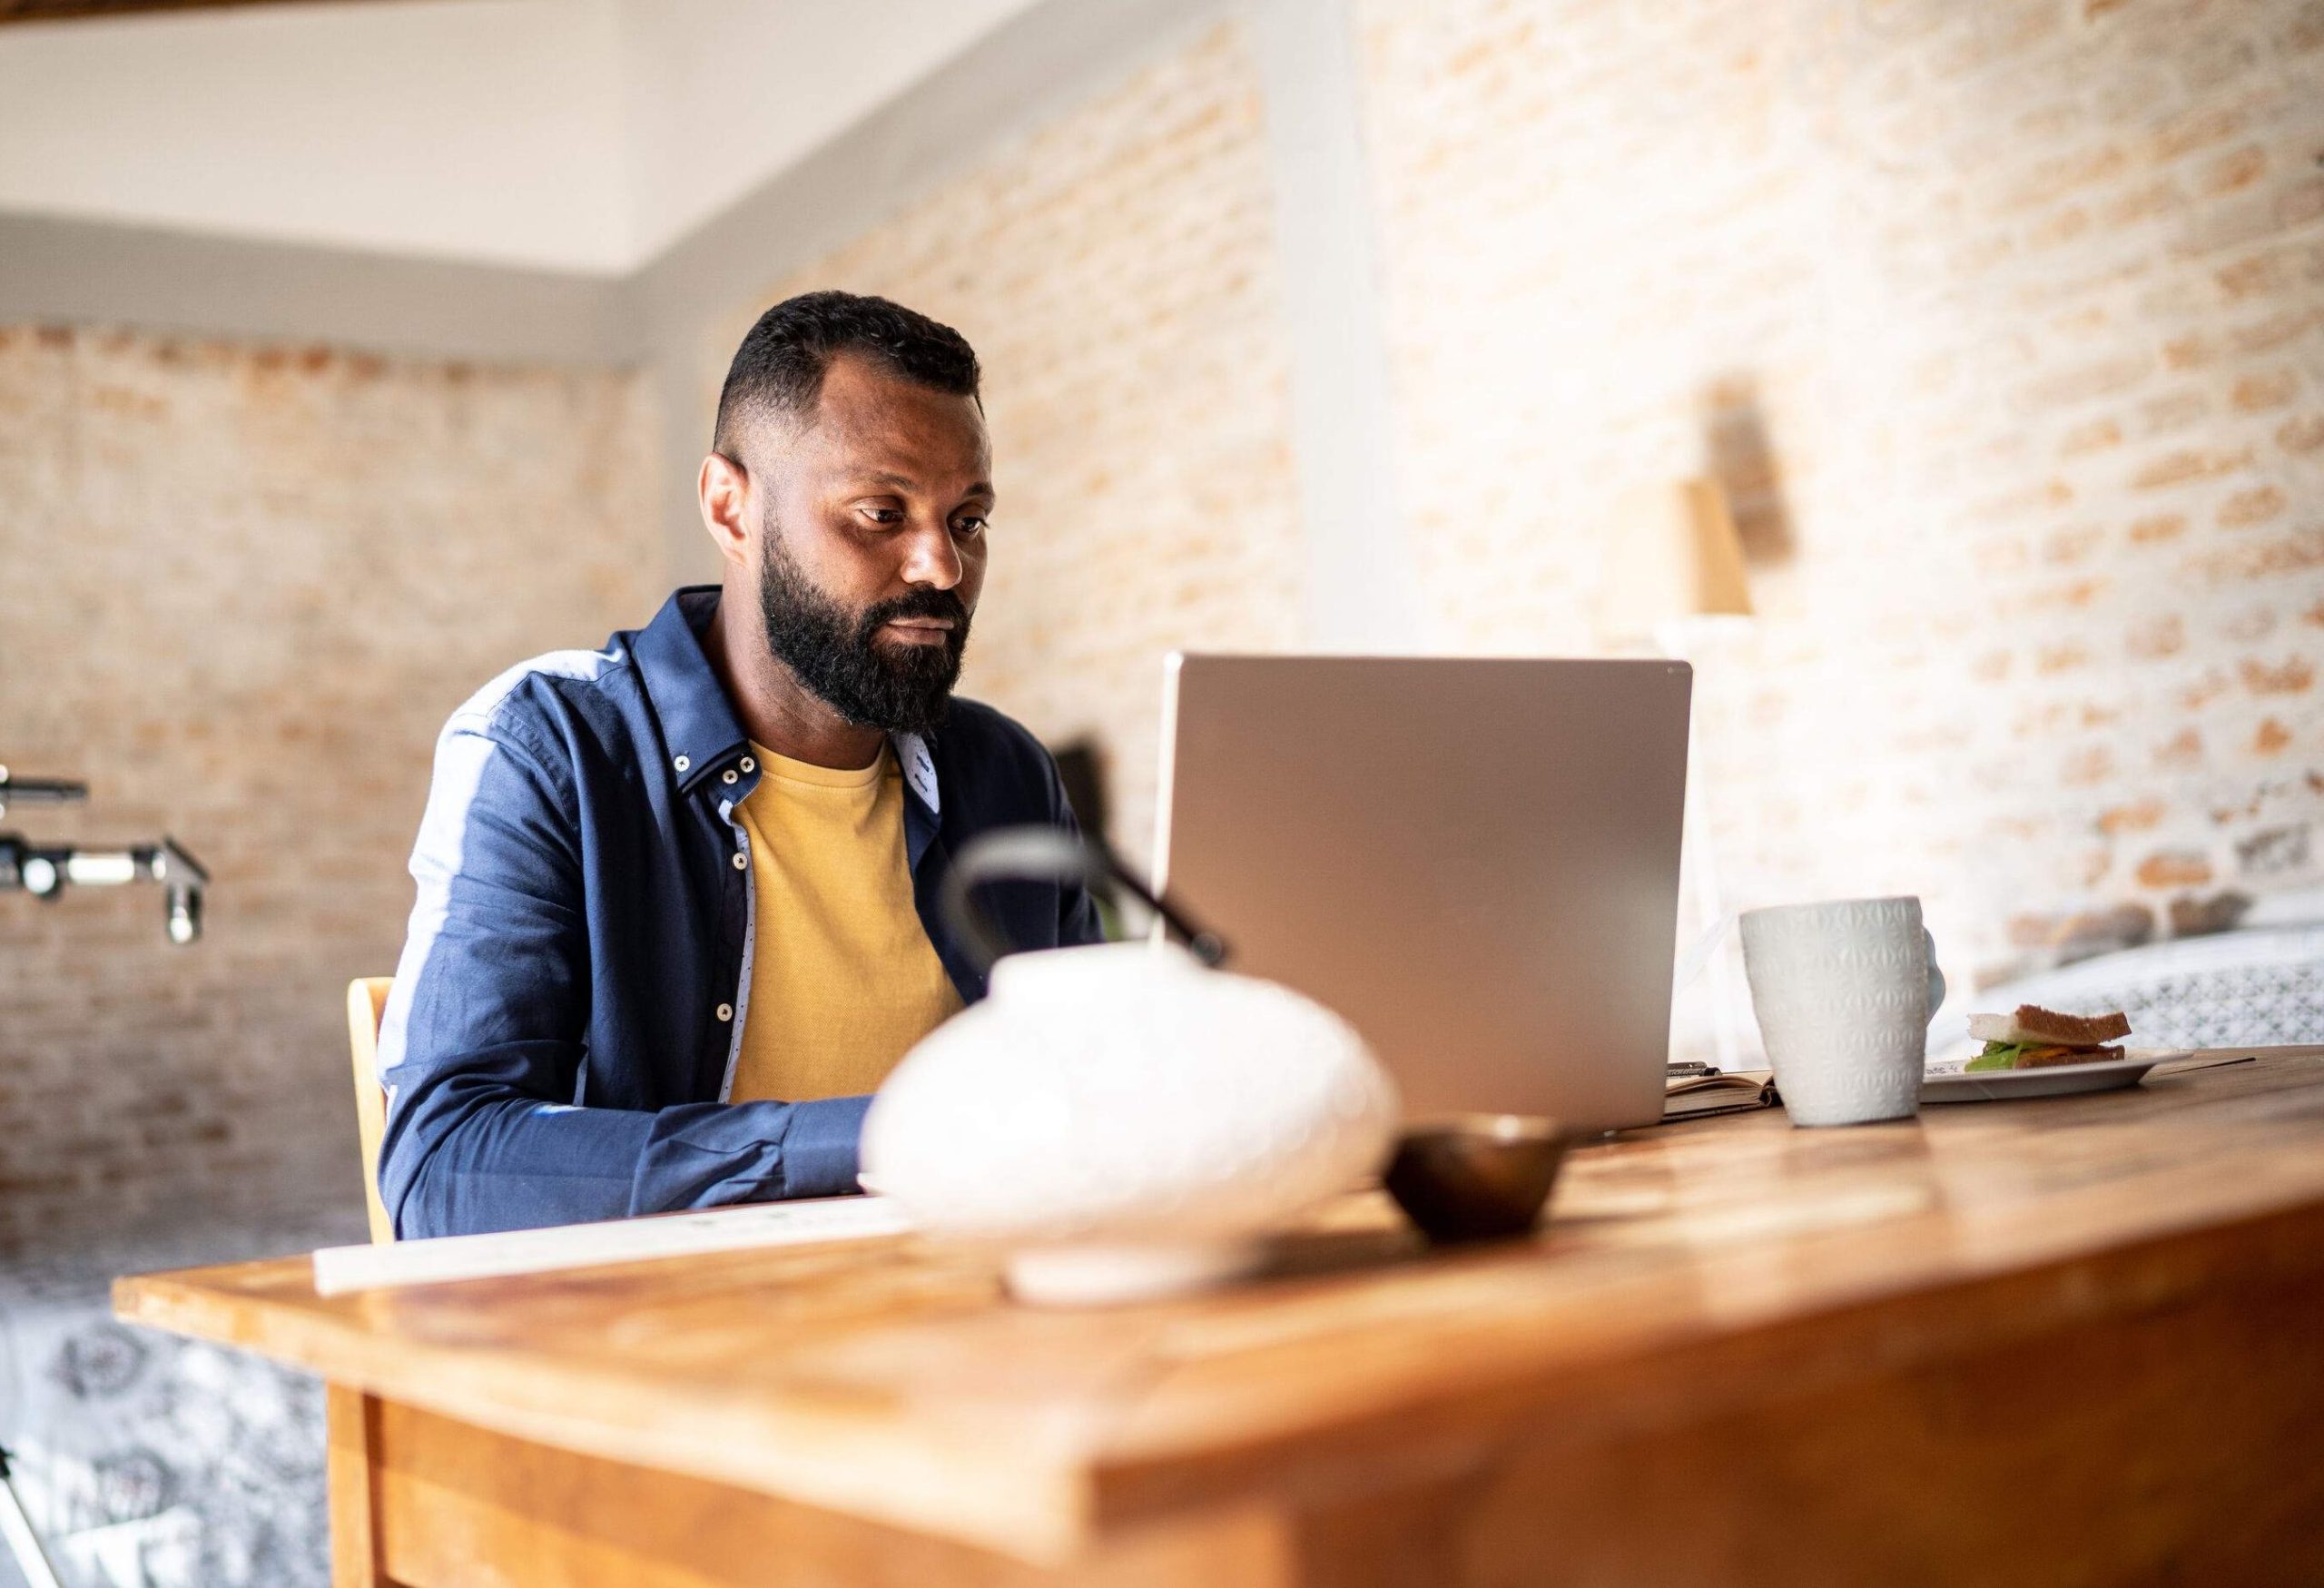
676, 895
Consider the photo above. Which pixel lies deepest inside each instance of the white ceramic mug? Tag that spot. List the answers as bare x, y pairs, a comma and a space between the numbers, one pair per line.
1844, 992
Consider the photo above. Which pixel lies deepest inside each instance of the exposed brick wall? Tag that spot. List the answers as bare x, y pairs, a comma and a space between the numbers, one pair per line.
2004, 324
245, 585
1116, 272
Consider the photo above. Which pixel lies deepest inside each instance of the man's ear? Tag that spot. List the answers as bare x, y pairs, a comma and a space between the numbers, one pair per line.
724, 491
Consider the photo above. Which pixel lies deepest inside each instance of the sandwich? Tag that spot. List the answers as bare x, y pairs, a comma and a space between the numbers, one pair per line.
2034, 1037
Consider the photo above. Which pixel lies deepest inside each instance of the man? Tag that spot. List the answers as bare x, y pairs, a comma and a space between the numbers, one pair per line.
677, 896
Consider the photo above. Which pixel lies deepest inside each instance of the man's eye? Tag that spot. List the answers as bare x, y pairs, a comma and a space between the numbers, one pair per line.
972, 523
883, 515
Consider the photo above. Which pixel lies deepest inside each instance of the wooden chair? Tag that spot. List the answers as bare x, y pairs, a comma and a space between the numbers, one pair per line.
367, 1001
350, 1417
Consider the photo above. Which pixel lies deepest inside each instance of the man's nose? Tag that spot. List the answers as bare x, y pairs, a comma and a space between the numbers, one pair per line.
930, 558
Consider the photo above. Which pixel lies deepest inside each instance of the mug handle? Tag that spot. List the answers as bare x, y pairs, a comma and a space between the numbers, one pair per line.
1935, 976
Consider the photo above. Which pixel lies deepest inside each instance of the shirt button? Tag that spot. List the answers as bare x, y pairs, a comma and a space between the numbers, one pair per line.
682, 764
749, 765
727, 775
742, 860
726, 1012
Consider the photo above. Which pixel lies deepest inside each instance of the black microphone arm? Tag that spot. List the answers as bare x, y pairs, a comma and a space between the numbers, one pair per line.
45, 870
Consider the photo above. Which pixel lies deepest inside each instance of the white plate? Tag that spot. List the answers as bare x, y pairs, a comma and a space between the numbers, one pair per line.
1955, 1085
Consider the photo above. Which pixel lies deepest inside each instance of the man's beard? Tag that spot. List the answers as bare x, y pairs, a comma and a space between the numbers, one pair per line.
899, 688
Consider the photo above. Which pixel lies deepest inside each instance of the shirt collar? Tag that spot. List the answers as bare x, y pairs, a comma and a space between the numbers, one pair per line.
698, 726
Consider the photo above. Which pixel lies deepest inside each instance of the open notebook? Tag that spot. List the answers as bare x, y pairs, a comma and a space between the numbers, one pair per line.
621, 1240
1692, 1096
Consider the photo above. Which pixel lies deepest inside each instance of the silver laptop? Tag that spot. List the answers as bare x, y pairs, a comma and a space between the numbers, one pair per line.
1475, 861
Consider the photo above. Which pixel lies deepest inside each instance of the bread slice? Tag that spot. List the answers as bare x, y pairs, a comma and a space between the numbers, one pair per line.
2033, 1023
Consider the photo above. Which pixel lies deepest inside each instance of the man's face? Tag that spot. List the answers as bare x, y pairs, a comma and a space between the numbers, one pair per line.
872, 543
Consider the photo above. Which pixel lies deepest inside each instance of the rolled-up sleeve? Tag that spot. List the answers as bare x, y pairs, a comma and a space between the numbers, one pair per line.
482, 1039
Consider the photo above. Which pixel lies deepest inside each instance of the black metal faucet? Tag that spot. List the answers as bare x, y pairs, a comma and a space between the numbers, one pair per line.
45, 870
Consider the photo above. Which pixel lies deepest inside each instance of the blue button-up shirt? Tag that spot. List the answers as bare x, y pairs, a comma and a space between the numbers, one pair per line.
562, 1035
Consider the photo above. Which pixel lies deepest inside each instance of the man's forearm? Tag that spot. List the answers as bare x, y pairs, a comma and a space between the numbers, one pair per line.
516, 1162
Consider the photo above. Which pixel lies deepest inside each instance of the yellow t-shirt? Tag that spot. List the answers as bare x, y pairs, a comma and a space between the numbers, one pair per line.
843, 979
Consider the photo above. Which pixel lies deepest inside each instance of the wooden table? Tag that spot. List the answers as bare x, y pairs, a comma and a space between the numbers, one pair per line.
2077, 1340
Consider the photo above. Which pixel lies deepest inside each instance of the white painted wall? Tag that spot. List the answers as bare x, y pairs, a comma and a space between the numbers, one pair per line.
477, 129
722, 94
575, 134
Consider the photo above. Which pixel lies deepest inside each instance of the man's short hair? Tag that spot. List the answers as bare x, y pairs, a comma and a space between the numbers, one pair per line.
779, 369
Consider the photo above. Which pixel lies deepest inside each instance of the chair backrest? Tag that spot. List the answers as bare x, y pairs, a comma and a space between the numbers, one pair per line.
367, 1001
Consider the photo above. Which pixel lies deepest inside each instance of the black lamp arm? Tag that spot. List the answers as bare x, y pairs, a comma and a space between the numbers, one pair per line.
1051, 854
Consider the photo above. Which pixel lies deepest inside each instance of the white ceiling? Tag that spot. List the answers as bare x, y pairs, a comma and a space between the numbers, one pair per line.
573, 134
